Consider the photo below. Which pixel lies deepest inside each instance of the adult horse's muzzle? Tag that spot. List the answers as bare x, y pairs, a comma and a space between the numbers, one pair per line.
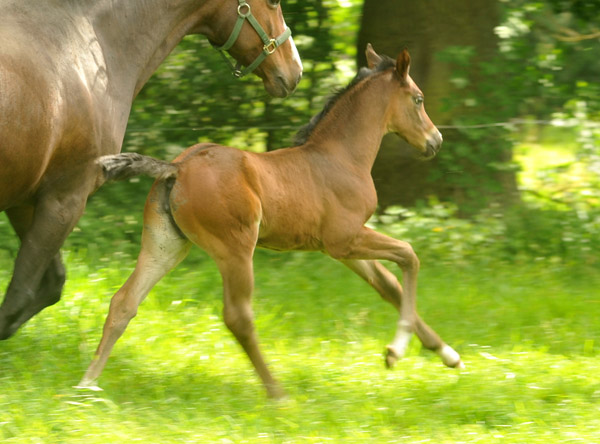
281, 85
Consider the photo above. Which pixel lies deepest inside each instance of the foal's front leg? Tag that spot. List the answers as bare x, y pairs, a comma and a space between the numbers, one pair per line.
371, 245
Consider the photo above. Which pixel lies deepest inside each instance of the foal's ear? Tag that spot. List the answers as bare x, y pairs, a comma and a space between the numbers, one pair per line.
373, 58
403, 65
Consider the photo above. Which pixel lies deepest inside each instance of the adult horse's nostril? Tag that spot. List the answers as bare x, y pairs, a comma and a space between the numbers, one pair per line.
288, 84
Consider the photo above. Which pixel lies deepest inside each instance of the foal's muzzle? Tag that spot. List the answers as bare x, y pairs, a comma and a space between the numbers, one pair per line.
434, 143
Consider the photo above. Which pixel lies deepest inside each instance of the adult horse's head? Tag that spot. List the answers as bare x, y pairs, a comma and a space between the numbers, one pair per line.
408, 118
255, 34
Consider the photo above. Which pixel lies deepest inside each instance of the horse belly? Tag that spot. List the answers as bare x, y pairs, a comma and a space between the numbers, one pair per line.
290, 226
25, 135
290, 242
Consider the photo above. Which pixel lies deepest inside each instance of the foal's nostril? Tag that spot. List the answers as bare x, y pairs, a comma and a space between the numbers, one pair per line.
434, 144
435, 140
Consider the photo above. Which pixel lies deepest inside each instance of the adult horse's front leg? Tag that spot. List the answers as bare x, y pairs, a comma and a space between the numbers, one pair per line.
38, 274
371, 245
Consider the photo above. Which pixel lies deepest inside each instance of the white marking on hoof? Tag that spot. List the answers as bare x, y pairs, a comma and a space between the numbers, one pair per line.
450, 357
92, 388
88, 385
397, 349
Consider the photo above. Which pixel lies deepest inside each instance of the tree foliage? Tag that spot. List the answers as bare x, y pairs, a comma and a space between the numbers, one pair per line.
536, 61
193, 97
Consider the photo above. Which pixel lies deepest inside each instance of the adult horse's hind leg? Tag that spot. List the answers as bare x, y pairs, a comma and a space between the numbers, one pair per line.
38, 274
53, 280
371, 245
162, 249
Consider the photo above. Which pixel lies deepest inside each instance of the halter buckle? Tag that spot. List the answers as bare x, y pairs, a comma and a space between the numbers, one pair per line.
270, 47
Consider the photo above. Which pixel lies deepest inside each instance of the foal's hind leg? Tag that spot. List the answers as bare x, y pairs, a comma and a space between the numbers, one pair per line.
234, 259
370, 245
387, 285
238, 283
162, 249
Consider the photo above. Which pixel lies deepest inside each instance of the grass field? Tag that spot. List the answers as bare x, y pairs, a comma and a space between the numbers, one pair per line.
529, 336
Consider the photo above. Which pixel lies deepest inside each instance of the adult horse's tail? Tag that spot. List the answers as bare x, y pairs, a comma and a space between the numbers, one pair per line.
125, 165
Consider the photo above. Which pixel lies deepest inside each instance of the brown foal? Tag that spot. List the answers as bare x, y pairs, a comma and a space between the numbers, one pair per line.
314, 196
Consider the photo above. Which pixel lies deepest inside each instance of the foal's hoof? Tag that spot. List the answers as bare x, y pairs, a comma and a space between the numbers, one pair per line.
88, 385
390, 357
276, 393
459, 365
91, 388
450, 358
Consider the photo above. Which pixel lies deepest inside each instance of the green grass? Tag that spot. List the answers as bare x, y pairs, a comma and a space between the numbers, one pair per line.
529, 336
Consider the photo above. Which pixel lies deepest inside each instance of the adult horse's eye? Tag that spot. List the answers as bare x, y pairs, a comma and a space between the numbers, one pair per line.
418, 100
274, 3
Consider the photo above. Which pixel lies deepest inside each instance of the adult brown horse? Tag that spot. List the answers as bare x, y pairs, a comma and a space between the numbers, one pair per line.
69, 71
315, 196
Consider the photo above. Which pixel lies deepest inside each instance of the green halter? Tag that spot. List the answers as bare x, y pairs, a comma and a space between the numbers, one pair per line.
270, 45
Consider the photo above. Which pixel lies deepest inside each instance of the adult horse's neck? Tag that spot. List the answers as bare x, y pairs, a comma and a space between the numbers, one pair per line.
137, 35
352, 129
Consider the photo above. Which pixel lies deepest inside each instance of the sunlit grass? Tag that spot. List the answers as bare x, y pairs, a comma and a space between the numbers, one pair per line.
529, 337
527, 331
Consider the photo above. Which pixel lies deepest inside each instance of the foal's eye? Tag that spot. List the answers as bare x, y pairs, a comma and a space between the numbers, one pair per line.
418, 100
274, 3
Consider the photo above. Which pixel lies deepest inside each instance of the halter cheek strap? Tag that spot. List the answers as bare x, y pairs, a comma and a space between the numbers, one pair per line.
270, 45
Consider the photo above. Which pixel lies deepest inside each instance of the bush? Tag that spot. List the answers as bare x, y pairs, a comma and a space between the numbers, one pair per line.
520, 234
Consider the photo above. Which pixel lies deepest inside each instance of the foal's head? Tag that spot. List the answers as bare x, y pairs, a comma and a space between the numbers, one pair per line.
407, 116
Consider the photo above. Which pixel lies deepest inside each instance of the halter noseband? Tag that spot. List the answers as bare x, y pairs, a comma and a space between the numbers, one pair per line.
270, 45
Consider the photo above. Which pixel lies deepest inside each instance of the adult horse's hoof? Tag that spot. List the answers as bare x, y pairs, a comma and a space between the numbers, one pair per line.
6, 329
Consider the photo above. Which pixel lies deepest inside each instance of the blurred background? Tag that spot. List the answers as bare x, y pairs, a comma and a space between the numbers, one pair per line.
512, 85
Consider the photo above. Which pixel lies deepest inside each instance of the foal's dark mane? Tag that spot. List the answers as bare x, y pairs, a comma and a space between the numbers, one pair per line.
304, 132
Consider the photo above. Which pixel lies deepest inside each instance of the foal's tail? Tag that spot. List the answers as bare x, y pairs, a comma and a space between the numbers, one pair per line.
125, 165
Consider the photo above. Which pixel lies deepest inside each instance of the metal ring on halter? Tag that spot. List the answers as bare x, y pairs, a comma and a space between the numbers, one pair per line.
240, 6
